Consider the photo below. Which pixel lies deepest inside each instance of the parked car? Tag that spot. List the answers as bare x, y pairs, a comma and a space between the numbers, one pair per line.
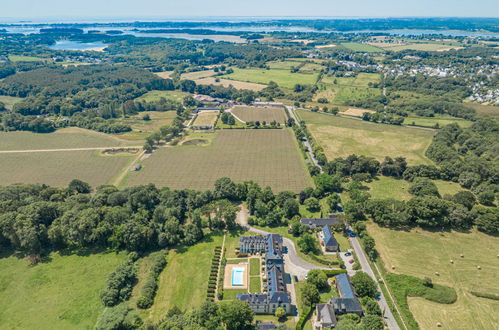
351, 234
347, 254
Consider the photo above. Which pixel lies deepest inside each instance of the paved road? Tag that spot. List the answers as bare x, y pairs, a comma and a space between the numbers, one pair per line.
305, 142
366, 267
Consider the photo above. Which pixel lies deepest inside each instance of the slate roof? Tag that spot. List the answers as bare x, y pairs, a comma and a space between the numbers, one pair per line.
344, 286
346, 305
316, 222
326, 315
329, 239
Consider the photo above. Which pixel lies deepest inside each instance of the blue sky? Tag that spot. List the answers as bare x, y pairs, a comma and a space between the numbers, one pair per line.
192, 8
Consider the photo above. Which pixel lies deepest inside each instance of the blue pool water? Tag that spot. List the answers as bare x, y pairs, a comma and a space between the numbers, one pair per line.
237, 276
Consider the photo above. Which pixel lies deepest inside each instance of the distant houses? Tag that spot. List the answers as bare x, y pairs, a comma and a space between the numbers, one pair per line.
326, 314
275, 294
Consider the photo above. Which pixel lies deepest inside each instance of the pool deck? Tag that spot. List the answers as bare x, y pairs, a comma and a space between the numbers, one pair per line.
228, 276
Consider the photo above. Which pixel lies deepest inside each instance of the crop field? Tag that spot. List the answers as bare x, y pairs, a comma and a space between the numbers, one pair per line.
20, 58
311, 68
421, 253
61, 293
283, 78
283, 65
347, 94
429, 47
355, 112
9, 101
485, 110
341, 137
58, 168
184, 281
71, 137
206, 118
153, 96
164, 74
432, 121
141, 128
234, 83
269, 157
247, 114
361, 80
197, 75
364, 48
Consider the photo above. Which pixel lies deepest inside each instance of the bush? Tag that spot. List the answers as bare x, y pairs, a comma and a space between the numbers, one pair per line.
119, 317
148, 291
333, 272
119, 284
305, 315
485, 295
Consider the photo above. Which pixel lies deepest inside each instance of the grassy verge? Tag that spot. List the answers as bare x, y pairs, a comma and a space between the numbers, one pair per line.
255, 285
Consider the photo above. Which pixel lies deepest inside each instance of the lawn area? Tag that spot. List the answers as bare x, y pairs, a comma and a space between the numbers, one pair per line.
206, 118
153, 96
269, 157
247, 114
255, 267
283, 78
65, 138
255, 285
21, 58
341, 137
9, 101
441, 121
141, 128
421, 253
230, 294
388, 187
60, 167
184, 281
234, 83
62, 293
364, 48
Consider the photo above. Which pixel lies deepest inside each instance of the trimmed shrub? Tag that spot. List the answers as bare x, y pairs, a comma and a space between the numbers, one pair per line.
485, 295
119, 284
148, 291
332, 272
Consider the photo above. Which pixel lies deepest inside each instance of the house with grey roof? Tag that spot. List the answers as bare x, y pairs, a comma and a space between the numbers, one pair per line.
330, 243
326, 317
314, 223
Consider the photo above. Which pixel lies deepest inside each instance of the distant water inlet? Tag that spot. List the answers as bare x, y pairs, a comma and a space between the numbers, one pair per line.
76, 45
237, 276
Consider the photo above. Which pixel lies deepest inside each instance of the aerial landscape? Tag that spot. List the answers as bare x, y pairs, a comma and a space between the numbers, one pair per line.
249, 165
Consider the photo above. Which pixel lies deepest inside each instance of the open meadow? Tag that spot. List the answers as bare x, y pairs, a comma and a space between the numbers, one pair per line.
206, 118
340, 90
141, 128
153, 96
9, 101
247, 114
283, 78
269, 157
432, 121
197, 75
341, 137
421, 253
59, 293
234, 83
364, 48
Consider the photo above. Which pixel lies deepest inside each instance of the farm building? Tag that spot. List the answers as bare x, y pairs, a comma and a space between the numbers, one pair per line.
320, 223
330, 243
275, 294
325, 315
199, 109
260, 104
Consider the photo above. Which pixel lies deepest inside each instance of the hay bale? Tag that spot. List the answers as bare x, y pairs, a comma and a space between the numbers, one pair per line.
437, 273
462, 255
439, 324
451, 261
478, 267
393, 267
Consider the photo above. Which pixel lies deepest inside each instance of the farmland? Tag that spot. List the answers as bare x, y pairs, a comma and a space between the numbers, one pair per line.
60, 293
206, 118
247, 114
429, 47
364, 48
234, 83
197, 75
153, 96
432, 121
340, 90
269, 157
283, 78
20, 58
421, 253
143, 128
341, 137
9, 101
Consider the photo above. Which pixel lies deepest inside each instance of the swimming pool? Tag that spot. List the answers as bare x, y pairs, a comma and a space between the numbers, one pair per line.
237, 276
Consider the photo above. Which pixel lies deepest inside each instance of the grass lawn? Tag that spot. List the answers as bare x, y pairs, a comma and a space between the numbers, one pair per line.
255, 285
62, 293
20, 58
421, 253
247, 114
141, 128
153, 96
289, 321
230, 294
283, 78
341, 137
269, 157
364, 48
441, 121
184, 281
255, 267
9, 101
388, 187
448, 187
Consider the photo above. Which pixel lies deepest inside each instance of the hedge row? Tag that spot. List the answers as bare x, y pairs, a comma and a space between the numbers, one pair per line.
120, 282
212, 280
332, 272
324, 262
305, 315
485, 295
148, 291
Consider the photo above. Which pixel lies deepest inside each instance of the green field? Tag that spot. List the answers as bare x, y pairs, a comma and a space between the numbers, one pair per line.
255, 267
283, 65
421, 253
269, 157
153, 96
60, 167
340, 90
441, 121
9, 101
184, 281
227, 83
364, 48
255, 285
20, 58
206, 118
348, 94
197, 75
60, 293
247, 114
361, 80
283, 78
141, 128
428, 47
485, 110
341, 137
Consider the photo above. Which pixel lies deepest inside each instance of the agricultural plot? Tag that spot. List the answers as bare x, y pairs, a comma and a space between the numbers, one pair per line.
341, 137
62, 293
283, 65
153, 96
364, 48
141, 128
361, 80
58, 168
9, 101
206, 118
311, 68
234, 83
20, 58
421, 253
348, 94
164, 74
269, 157
247, 114
283, 78
432, 121
483, 110
428, 47
197, 75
